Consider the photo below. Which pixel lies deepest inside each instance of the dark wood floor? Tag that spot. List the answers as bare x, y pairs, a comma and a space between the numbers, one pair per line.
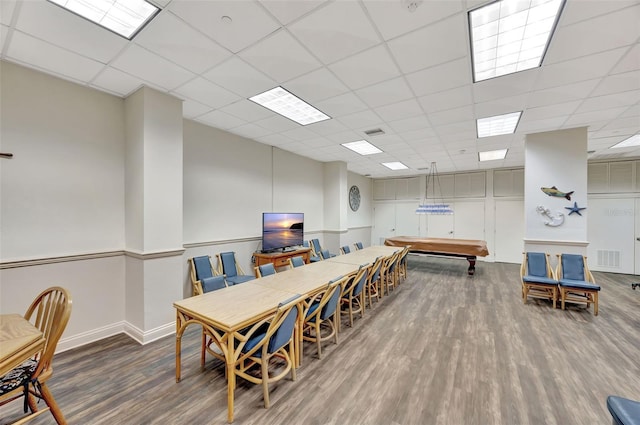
443, 349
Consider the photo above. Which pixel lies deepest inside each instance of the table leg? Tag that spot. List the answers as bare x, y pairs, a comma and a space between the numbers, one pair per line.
178, 345
472, 265
231, 376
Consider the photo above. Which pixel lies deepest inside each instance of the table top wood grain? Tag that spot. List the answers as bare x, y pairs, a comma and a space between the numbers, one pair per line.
19, 340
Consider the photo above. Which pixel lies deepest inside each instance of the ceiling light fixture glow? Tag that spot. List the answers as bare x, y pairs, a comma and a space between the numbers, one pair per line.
395, 166
124, 17
510, 36
362, 147
290, 106
492, 155
628, 142
498, 125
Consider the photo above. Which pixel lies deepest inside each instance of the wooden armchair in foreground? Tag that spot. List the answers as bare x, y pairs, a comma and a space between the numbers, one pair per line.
50, 313
537, 278
575, 281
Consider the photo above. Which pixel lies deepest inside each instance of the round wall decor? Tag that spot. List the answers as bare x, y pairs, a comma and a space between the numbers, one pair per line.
354, 198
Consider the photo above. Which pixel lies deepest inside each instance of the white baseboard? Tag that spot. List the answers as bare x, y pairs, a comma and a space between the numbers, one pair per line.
145, 337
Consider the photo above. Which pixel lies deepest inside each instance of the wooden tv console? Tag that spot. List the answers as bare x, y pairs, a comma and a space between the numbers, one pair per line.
280, 259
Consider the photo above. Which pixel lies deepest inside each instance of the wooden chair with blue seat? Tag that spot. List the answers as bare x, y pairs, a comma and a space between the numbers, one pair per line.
575, 281
229, 267
296, 261
537, 277
402, 264
202, 274
49, 312
210, 340
322, 310
358, 246
317, 249
623, 410
313, 257
269, 338
345, 250
264, 270
389, 273
353, 293
372, 287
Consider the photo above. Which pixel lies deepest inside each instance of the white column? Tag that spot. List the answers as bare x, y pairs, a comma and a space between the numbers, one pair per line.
556, 158
335, 204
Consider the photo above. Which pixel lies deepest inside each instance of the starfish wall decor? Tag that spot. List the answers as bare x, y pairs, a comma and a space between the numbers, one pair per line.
575, 209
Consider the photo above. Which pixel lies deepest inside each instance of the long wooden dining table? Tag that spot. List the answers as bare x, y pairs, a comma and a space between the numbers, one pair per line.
19, 341
229, 310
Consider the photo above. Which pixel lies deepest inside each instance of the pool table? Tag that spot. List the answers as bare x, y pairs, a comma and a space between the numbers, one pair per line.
463, 248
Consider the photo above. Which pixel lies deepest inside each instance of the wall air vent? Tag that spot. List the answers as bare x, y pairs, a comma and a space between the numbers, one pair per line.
374, 132
608, 258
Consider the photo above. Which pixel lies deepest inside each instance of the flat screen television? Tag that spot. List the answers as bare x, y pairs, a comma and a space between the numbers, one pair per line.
281, 231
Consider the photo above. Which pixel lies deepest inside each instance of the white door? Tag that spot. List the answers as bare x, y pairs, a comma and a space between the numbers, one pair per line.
469, 220
611, 242
637, 238
384, 222
440, 226
407, 221
509, 231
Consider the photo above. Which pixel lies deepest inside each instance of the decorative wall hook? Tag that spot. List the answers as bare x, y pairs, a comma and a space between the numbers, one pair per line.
6, 155
554, 221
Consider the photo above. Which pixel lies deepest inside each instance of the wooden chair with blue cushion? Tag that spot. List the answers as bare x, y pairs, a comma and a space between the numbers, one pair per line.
389, 273
265, 270
537, 277
317, 249
623, 410
372, 287
353, 293
211, 340
402, 264
313, 257
575, 281
358, 246
50, 313
229, 267
296, 261
269, 338
203, 275
323, 310
345, 250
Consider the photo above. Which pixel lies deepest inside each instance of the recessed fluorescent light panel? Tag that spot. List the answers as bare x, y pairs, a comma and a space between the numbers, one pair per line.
627, 143
511, 35
124, 17
286, 104
492, 155
395, 165
497, 125
362, 147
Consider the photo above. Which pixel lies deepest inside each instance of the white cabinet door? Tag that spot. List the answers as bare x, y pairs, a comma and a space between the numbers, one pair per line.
509, 231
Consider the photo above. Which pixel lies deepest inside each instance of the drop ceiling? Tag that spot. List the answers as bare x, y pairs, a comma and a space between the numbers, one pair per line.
368, 64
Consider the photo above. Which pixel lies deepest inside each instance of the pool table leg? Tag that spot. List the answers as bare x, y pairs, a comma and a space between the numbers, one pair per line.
472, 265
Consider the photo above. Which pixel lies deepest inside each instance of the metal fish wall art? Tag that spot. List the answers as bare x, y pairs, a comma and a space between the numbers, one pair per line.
553, 191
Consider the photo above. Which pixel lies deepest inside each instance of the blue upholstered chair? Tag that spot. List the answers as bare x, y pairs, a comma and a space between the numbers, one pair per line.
537, 277
358, 246
269, 338
352, 297
203, 276
313, 257
210, 341
232, 271
623, 411
372, 287
345, 250
265, 270
325, 254
317, 249
389, 272
321, 311
296, 261
575, 281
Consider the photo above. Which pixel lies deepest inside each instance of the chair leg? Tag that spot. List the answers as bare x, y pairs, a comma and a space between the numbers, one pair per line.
595, 303
318, 342
51, 402
203, 349
555, 296
563, 296
265, 381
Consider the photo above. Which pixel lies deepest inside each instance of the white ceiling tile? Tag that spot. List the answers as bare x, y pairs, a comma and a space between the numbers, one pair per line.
366, 68
576, 11
599, 34
274, 139
250, 131
581, 69
561, 94
410, 124
458, 129
393, 18
192, 109
44, 56
336, 31
280, 56
395, 111
46, 21
446, 99
277, 124
146, 65
299, 134
618, 83
288, 11
441, 77
529, 126
412, 53
506, 85
239, 77
161, 3
249, 22
588, 118
207, 93
327, 127
464, 113
556, 110
501, 106
246, 108
221, 120
385, 93
360, 120
630, 61
6, 11
343, 104
316, 85
610, 101
319, 142
116, 81
173, 39
344, 137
